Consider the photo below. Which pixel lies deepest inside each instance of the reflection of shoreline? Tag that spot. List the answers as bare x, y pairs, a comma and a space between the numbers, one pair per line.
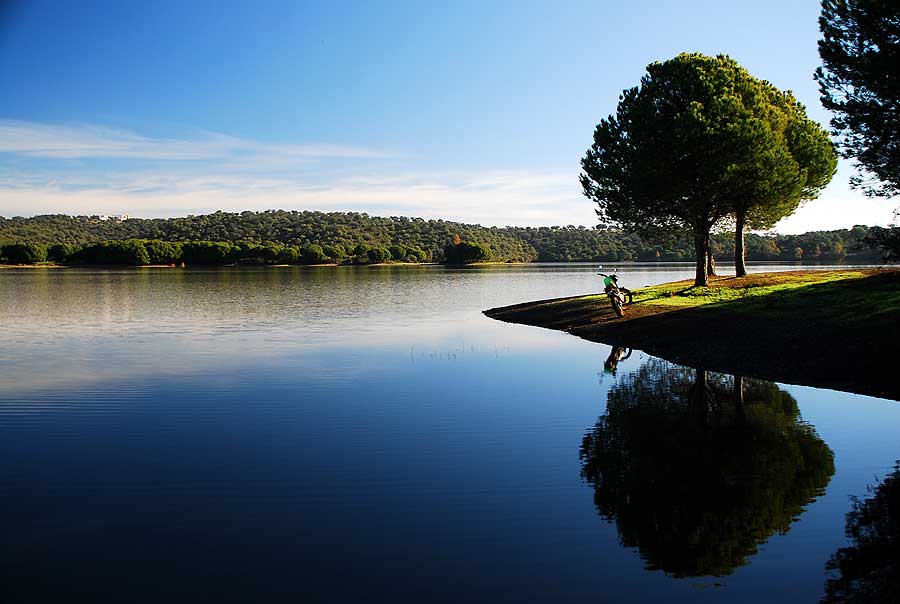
698, 469
108, 354
868, 570
223, 356
31, 266
74, 328
828, 329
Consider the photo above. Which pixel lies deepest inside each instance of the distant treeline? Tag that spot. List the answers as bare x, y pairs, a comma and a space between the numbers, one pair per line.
339, 236
317, 237
138, 252
601, 244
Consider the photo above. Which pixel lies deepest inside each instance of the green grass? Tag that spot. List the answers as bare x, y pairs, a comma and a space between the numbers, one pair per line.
682, 294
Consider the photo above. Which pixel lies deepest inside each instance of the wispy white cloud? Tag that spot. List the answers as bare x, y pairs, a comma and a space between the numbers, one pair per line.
507, 198
489, 198
40, 173
31, 139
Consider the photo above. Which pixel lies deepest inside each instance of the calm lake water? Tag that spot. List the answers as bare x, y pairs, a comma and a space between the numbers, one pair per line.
366, 434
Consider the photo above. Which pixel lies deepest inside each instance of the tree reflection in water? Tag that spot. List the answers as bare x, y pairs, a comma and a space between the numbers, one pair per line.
867, 570
697, 469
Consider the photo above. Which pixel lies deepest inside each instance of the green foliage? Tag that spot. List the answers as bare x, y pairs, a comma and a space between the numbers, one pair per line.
352, 232
698, 134
23, 253
789, 158
289, 255
663, 159
378, 254
60, 252
698, 469
335, 252
163, 252
270, 252
128, 252
207, 252
416, 255
860, 51
466, 252
314, 254
398, 252
600, 244
247, 252
474, 252
603, 244
545, 244
886, 241
267, 252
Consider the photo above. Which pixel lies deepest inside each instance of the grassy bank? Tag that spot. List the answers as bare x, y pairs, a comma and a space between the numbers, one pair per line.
834, 329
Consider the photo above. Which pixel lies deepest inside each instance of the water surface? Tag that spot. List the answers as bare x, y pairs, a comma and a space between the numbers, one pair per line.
366, 434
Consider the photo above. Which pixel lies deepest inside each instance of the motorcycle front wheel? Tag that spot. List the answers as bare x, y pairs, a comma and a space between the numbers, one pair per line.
617, 305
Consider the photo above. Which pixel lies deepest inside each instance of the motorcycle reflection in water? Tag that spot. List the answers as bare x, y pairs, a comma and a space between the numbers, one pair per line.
698, 469
618, 353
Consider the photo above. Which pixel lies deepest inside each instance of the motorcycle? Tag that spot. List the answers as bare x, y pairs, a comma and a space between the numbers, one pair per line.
619, 297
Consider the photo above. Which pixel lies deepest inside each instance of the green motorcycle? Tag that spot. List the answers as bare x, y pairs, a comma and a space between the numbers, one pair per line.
619, 297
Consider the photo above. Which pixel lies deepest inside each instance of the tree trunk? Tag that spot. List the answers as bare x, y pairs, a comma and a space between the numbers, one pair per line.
698, 400
739, 390
739, 399
700, 251
740, 256
710, 259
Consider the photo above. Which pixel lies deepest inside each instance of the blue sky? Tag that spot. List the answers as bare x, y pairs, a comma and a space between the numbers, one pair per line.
471, 111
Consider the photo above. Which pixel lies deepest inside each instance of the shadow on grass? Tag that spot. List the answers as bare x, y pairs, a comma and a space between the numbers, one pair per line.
840, 334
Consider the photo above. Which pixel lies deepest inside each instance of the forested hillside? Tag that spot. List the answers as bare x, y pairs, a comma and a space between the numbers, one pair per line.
352, 234
337, 229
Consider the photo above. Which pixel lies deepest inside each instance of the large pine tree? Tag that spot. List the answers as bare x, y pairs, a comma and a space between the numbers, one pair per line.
860, 82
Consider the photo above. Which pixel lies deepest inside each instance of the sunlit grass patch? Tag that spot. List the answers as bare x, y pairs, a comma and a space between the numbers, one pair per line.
726, 289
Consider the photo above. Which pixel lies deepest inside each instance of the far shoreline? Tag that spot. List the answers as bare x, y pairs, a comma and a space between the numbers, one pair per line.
50, 265
622, 263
